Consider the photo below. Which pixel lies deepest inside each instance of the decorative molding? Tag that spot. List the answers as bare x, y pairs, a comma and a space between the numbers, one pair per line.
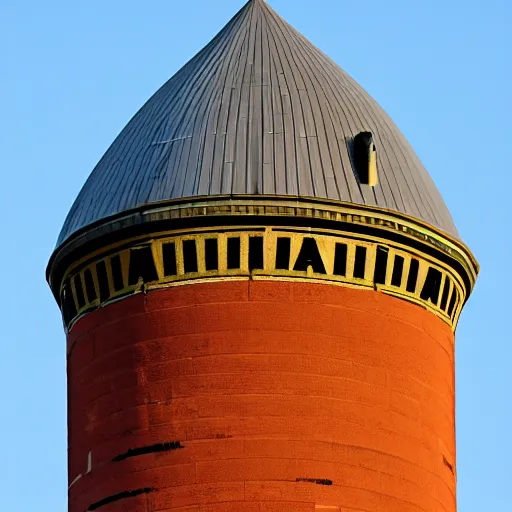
265, 210
330, 256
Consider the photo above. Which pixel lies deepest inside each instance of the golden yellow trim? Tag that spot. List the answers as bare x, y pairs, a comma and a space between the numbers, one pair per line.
373, 177
300, 208
287, 253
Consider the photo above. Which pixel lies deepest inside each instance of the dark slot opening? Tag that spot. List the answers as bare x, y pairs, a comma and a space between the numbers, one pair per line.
156, 448
398, 271
117, 272
448, 465
169, 256
233, 253
190, 256
65, 308
68, 304
256, 245
80, 298
318, 481
89, 286
309, 255
283, 250
432, 286
381, 265
360, 263
363, 143
101, 272
453, 301
211, 254
412, 278
340, 260
118, 497
142, 265
446, 293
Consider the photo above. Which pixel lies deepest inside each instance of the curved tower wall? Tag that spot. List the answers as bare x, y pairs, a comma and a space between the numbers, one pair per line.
261, 395
241, 356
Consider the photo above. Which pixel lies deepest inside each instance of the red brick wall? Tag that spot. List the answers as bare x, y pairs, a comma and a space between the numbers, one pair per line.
270, 391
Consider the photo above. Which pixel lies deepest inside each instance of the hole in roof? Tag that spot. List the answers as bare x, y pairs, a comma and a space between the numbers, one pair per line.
365, 159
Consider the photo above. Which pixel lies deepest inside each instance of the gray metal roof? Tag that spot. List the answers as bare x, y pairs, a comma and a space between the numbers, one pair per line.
259, 110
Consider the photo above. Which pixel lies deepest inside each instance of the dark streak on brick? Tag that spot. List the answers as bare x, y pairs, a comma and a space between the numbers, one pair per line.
318, 481
448, 465
136, 452
120, 496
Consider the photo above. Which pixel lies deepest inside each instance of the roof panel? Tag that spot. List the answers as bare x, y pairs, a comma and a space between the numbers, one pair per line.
259, 110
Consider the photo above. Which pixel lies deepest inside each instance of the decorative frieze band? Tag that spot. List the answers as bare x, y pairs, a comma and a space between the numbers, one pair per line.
251, 252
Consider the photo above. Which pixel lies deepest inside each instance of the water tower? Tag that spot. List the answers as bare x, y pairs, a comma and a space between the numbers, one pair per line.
260, 285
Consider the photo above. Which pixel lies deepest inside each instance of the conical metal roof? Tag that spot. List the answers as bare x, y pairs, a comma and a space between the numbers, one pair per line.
259, 110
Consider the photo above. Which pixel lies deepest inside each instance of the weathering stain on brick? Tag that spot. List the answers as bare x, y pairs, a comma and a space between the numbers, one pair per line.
156, 448
318, 481
118, 497
448, 465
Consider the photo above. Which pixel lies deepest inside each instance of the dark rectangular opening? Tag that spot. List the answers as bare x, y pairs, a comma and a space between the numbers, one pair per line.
283, 250
89, 286
412, 278
446, 293
309, 256
142, 266
189, 256
432, 286
360, 262
362, 147
381, 265
233, 253
64, 308
211, 254
169, 256
80, 298
340, 260
398, 271
101, 272
256, 261
117, 272
68, 304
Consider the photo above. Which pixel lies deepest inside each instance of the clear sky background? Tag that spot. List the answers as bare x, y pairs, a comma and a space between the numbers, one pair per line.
72, 73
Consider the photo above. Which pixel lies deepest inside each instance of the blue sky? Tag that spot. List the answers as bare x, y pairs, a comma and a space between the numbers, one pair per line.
72, 75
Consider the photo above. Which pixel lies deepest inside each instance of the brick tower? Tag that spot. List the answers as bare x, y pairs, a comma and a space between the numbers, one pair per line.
260, 286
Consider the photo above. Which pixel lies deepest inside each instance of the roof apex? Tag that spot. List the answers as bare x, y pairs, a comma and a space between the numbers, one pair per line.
260, 110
